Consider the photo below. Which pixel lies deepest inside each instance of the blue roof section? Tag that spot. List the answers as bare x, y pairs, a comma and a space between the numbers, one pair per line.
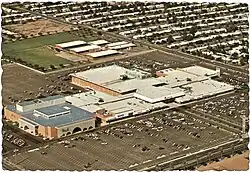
76, 114
52, 110
25, 103
31, 122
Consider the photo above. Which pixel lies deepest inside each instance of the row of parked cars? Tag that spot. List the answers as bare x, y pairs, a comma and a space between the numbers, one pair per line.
13, 139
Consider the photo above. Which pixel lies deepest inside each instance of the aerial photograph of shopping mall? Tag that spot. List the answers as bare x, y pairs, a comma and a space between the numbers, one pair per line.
125, 85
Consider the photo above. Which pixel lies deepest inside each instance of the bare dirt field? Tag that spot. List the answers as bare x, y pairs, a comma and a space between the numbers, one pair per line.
39, 26
236, 163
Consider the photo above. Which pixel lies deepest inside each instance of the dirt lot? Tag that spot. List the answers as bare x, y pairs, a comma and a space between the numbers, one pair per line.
236, 163
39, 26
20, 83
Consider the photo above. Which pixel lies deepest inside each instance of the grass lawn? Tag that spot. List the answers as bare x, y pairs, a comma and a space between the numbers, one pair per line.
42, 56
34, 50
35, 42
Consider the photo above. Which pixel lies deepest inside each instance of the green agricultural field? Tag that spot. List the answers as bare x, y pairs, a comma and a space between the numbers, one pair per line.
35, 51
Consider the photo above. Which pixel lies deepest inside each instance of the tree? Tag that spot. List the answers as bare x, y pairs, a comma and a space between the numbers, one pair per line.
138, 31
193, 30
242, 61
170, 39
149, 39
52, 67
61, 65
234, 55
36, 66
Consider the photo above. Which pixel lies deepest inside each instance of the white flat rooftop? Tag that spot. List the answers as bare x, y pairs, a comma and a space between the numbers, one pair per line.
137, 105
154, 94
102, 53
102, 75
175, 78
85, 48
202, 89
71, 44
99, 42
200, 71
87, 98
91, 108
124, 46
128, 85
117, 43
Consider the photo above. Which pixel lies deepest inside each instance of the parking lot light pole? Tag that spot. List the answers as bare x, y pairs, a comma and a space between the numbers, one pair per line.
232, 149
197, 161
15, 151
209, 155
221, 152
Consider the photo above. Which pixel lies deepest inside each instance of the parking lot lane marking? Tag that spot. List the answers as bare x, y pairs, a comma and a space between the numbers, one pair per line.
101, 153
61, 152
50, 163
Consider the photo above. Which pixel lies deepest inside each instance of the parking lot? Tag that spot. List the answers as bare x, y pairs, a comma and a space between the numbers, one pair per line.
154, 61
126, 144
230, 108
20, 83
14, 138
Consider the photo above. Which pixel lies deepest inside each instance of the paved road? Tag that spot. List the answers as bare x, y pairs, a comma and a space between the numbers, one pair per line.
213, 120
207, 158
97, 63
226, 67
166, 163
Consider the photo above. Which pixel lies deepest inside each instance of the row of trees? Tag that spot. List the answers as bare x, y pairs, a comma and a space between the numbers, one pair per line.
35, 66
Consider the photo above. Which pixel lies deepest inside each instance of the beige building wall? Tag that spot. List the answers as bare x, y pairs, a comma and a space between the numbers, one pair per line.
68, 129
83, 83
11, 115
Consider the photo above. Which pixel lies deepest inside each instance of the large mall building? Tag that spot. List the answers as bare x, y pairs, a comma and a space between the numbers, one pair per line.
114, 93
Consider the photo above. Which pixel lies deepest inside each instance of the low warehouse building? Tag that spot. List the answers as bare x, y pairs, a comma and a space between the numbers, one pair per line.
117, 43
103, 53
51, 117
124, 46
70, 44
85, 48
99, 42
